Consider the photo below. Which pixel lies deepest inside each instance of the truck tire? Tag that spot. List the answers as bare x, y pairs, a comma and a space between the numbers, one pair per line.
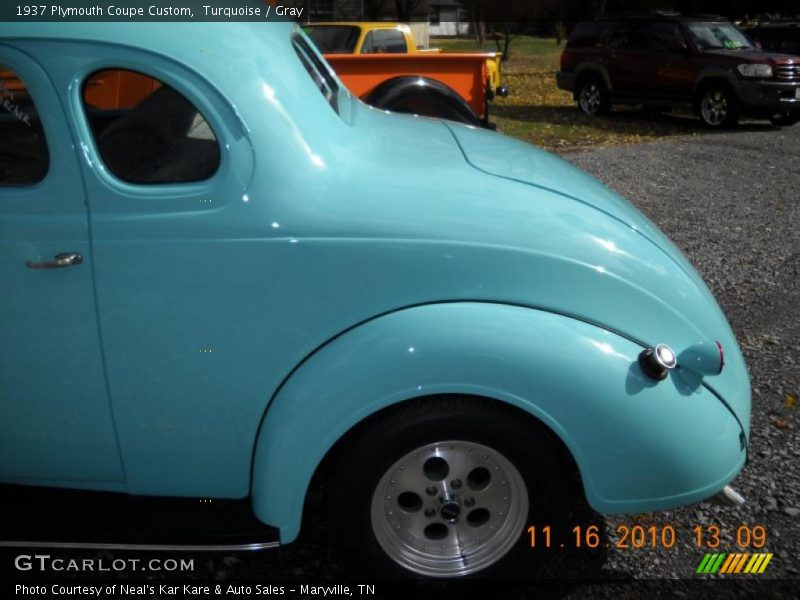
593, 96
717, 105
422, 96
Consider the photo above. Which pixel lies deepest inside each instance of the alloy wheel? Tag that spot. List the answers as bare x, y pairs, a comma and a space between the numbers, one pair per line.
714, 107
449, 509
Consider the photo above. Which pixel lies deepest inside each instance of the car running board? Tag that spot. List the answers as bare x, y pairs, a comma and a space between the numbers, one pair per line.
36, 517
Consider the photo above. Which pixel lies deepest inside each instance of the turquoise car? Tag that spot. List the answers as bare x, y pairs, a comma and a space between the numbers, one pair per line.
233, 277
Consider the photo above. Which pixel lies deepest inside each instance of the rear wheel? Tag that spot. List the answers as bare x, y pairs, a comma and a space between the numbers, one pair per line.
445, 488
593, 96
717, 106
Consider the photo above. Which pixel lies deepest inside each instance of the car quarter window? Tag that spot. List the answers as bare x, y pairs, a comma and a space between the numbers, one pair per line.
24, 157
385, 41
147, 132
661, 36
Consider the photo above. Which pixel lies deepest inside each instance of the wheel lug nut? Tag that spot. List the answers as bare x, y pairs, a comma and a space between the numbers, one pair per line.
469, 501
431, 490
455, 484
429, 512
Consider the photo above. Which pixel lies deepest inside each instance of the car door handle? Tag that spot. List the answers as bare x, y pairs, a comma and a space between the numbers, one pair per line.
67, 259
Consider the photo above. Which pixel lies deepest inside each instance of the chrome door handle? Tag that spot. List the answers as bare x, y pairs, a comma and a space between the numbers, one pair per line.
67, 259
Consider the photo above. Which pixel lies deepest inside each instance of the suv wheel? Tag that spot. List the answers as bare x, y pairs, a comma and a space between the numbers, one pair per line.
717, 106
785, 119
445, 487
593, 97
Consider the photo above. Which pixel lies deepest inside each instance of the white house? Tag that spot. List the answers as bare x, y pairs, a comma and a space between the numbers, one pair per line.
448, 18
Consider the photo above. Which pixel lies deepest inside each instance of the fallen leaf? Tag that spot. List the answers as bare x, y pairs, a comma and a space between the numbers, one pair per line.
782, 424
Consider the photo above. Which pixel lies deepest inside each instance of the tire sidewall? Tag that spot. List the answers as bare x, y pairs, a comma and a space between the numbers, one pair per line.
364, 463
605, 102
732, 115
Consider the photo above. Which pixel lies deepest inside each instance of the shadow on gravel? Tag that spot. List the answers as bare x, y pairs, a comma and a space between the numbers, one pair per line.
626, 120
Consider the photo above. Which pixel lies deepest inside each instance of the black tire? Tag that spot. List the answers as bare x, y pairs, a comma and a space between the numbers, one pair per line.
717, 106
785, 119
593, 96
435, 106
432, 437
422, 96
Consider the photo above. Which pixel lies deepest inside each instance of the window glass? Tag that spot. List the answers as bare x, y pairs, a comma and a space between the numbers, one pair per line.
662, 37
318, 72
625, 38
588, 34
24, 157
718, 36
384, 41
334, 39
146, 131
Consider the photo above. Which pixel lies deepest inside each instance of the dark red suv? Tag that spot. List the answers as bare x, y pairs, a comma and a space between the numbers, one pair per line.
662, 62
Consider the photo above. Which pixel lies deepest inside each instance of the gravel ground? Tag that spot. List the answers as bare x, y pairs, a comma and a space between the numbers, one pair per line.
730, 202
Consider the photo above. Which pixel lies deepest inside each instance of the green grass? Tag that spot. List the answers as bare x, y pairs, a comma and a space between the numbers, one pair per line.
538, 112
522, 45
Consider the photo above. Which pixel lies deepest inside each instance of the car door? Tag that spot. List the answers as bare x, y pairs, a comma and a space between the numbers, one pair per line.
672, 71
56, 424
166, 172
629, 61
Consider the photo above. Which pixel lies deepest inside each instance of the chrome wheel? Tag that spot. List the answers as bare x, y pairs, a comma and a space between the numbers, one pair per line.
449, 509
714, 107
591, 98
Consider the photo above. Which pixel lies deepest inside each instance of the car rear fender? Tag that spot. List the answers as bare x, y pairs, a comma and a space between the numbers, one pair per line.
592, 69
636, 442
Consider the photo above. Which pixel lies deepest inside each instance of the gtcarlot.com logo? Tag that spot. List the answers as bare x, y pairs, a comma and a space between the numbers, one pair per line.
46, 562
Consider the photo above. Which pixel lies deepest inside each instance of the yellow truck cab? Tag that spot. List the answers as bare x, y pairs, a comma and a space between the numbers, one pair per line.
385, 37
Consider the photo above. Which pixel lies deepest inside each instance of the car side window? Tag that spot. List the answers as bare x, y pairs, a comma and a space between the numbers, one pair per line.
24, 156
661, 37
588, 34
384, 41
147, 132
624, 38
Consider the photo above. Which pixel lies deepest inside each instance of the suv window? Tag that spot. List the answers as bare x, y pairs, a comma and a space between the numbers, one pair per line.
24, 157
147, 132
661, 36
587, 34
625, 37
384, 41
718, 36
